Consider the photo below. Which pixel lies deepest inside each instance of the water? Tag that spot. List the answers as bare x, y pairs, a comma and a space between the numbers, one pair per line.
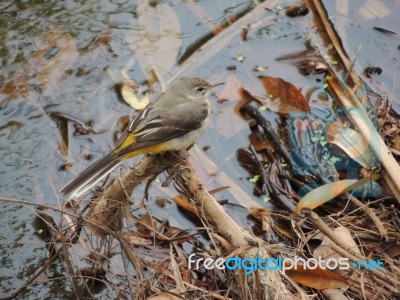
66, 56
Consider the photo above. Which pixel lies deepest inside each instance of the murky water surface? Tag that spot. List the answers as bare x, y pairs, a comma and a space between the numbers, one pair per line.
66, 56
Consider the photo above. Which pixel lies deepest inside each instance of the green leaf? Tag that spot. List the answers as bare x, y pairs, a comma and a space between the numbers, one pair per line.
261, 69
315, 139
254, 179
240, 58
335, 159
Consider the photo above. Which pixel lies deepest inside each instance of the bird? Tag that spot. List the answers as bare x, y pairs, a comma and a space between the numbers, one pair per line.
174, 121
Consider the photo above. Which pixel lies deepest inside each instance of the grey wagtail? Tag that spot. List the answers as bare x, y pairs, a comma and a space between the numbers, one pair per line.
174, 121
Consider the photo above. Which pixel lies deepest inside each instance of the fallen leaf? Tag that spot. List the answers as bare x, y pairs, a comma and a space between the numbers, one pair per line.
325, 250
224, 242
177, 273
173, 232
284, 231
134, 239
351, 142
394, 251
284, 97
245, 98
318, 278
147, 223
127, 91
184, 203
396, 143
329, 191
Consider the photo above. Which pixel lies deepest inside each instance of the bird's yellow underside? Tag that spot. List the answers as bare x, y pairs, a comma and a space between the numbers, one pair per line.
131, 140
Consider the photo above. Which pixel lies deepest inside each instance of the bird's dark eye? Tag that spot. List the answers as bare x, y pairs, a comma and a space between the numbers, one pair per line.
200, 89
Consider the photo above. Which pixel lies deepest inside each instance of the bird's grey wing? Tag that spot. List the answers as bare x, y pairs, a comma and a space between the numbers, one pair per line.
168, 124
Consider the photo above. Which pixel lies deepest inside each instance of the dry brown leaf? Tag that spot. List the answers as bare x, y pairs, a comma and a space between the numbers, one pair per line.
394, 251
184, 203
224, 242
134, 239
396, 143
173, 232
177, 273
284, 97
284, 231
345, 236
318, 278
246, 98
147, 223
325, 250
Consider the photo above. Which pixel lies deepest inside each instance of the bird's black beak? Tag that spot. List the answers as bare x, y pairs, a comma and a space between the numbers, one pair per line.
215, 85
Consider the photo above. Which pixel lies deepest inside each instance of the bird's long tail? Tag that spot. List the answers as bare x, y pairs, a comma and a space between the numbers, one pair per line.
92, 175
